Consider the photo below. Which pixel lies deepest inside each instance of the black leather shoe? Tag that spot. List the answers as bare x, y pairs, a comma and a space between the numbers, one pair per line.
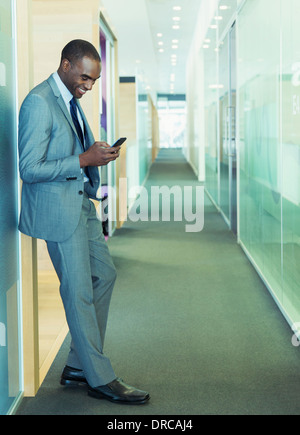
71, 376
119, 392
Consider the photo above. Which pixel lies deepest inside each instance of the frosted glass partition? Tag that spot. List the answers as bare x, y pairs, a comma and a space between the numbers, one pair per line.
9, 283
267, 63
219, 72
143, 131
259, 117
223, 125
211, 116
291, 157
269, 120
108, 173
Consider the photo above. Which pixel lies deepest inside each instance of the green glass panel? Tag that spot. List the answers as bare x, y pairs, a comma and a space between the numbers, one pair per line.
224, 127
211, 115
291, 158
259, 131
143, 134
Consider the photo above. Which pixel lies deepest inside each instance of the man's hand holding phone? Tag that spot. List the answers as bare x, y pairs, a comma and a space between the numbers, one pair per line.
100, 154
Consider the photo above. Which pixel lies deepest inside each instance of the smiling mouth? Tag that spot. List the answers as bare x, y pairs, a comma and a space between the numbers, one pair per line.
82, 91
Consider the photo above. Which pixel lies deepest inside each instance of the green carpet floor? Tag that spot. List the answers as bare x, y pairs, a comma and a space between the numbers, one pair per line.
190, 322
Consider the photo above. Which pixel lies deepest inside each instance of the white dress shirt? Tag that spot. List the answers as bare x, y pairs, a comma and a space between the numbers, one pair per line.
67, 97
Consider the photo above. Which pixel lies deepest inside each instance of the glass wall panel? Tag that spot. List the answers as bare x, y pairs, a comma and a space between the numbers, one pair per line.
219, 57
9, 284
268, 121
224, 104
232, 130
291, 157
211, 115
143, 132
108, 173
225, 14
259, 130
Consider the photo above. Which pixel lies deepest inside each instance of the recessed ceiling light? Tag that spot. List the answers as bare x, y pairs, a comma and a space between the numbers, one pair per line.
159, 35
161, 50
175, 41
160, 43
176, 27
176, 18
177, 8
224, 8
174, 47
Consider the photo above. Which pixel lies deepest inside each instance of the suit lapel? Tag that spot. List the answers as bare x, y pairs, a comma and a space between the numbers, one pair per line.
61, 103
89, 137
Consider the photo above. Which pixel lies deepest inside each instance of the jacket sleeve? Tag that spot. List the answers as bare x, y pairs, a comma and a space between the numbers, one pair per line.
35, 136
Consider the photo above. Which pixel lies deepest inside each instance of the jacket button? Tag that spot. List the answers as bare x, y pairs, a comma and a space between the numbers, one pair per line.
80, 192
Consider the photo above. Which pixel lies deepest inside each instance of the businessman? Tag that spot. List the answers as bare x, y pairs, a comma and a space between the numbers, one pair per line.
59, 162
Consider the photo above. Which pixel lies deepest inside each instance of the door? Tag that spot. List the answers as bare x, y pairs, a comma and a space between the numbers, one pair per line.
227, 140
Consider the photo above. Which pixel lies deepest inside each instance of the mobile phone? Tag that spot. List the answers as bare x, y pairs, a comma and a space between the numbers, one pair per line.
119, 142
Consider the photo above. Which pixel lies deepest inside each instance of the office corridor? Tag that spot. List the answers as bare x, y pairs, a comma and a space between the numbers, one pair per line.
190, 322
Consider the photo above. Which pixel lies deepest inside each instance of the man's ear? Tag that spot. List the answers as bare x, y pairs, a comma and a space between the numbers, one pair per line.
65, 65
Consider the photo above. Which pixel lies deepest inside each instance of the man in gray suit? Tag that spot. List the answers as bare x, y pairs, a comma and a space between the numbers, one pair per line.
59, 162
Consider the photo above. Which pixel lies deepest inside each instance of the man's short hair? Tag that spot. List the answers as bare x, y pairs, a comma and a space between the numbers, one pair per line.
78, 49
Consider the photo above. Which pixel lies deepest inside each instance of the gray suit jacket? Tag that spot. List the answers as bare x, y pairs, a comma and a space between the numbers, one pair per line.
53, 182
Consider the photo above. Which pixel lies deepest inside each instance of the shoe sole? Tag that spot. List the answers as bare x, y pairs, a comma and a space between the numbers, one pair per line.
100, 396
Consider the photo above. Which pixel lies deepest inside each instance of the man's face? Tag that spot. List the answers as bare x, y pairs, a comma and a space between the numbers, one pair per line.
81, 76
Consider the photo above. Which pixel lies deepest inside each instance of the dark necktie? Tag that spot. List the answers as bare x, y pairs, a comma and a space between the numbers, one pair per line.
73, 107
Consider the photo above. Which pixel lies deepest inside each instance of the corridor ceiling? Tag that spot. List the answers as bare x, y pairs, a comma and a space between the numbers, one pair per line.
154, 37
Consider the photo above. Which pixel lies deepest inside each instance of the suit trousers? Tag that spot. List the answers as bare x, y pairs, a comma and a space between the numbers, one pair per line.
87, 276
